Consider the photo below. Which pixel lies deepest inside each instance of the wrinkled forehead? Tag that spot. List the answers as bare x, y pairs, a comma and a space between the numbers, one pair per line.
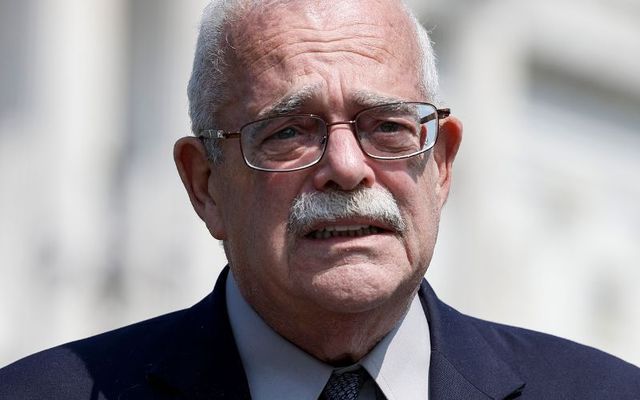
261, 24
297, 38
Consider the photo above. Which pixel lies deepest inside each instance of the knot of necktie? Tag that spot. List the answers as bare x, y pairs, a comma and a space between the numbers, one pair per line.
344, 386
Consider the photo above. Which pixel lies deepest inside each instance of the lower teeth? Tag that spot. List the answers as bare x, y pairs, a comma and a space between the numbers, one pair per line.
329, 234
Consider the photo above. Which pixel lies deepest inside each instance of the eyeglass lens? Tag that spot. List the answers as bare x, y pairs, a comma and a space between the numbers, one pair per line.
390, 132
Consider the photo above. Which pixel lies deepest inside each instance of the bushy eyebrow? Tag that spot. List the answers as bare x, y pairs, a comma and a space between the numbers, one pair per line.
366, 99
291, 103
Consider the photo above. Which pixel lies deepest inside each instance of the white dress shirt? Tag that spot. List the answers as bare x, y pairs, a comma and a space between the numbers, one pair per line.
277, 369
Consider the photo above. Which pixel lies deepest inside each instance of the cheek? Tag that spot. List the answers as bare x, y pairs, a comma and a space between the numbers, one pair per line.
423, 217
267, 212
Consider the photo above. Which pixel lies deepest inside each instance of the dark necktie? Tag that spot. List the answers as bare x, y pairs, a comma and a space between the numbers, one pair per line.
344, 386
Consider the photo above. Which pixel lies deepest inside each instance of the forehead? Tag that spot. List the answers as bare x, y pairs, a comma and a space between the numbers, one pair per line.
266, 30
316, 48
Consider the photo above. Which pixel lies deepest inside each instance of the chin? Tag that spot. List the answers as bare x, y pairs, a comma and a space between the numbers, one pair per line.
353, 289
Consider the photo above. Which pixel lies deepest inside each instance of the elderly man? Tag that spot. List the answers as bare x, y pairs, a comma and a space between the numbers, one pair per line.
322, 163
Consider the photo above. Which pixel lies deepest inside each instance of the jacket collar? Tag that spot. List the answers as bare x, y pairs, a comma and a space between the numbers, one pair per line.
463, 364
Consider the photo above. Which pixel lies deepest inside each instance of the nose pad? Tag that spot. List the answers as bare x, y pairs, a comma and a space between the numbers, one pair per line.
352, 129
344, 165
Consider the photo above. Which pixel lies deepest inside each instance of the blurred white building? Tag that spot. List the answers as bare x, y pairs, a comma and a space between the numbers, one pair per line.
542, 228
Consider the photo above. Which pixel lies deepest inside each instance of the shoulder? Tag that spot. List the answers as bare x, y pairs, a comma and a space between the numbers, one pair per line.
188, 352
114, 360
554, 366
548, 366
537, 353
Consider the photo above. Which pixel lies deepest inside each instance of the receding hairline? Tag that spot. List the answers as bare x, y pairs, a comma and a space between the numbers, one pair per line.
237, 26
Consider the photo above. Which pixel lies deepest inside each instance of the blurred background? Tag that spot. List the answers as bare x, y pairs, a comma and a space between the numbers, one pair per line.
542, 229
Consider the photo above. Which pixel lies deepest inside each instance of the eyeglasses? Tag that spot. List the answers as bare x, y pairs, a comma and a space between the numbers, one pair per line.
293, 142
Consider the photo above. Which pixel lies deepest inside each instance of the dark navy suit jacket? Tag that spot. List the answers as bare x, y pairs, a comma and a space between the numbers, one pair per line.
191, 354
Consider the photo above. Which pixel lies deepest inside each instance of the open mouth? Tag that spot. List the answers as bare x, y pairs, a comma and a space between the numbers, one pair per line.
344, 231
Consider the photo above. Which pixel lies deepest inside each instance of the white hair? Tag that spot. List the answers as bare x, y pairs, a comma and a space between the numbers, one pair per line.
209, 86
376, 203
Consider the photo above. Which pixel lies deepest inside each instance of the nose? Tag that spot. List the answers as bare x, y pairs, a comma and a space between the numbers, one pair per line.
343, 165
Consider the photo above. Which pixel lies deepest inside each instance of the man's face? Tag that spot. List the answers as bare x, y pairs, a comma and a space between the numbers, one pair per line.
334, 61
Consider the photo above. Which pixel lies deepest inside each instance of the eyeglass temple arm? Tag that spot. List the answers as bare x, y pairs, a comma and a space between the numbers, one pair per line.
217, 134
441, 114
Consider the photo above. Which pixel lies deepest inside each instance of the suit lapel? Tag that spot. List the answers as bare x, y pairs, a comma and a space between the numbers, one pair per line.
203, 361
463, 365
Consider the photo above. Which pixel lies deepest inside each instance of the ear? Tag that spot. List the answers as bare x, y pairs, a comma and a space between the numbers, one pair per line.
195, 172
445, 150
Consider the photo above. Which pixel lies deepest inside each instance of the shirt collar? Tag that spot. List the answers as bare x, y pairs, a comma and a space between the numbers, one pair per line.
399, 363
277, 369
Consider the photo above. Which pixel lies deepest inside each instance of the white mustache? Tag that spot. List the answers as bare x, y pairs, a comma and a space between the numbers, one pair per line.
376, 204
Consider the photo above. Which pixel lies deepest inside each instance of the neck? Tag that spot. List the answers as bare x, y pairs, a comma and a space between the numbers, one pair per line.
337, 339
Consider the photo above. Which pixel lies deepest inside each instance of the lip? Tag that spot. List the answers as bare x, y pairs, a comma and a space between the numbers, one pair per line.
343, 226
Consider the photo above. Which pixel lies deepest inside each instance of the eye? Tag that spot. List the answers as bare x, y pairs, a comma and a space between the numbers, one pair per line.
283, 134
389, 127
